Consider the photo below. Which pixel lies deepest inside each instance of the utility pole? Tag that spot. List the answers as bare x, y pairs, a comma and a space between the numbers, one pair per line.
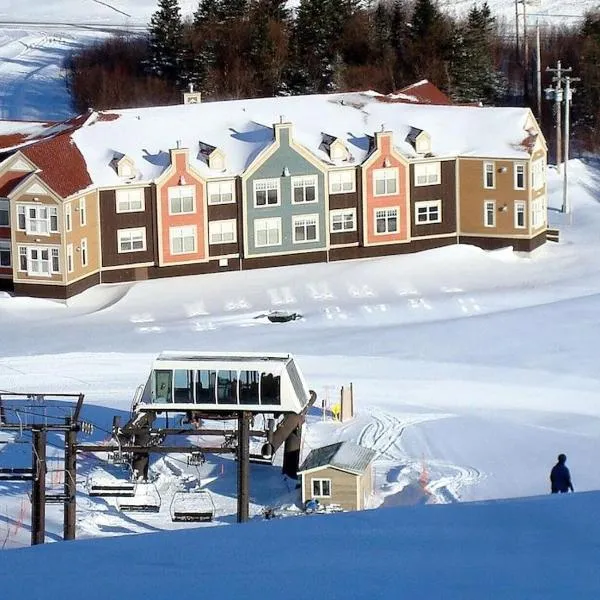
70, 504
525, 49
38, 489
566, 206
517, 29
538, 62
556, 94
243, 456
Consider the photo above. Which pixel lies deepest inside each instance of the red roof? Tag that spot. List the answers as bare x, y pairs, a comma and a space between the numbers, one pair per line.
61, 164
423, 92
10, 180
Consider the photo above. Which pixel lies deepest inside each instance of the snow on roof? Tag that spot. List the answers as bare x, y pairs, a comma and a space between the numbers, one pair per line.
241, 129
14, 133
342, 455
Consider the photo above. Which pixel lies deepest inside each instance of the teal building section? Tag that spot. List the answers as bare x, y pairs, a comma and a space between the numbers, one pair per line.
285, 164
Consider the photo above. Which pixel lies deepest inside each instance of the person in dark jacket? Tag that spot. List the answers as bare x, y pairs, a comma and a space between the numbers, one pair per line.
560, 477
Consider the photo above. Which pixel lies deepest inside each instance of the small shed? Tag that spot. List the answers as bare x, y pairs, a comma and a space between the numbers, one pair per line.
338, 474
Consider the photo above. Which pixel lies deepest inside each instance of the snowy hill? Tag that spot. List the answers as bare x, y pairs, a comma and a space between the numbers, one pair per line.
534, 549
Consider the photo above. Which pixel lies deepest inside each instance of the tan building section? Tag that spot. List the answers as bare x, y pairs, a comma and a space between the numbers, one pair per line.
338, 474
81, 224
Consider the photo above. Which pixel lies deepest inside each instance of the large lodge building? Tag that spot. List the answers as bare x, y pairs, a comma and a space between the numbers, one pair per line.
144, 193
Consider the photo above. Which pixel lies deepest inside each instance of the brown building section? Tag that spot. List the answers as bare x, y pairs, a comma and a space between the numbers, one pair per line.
445, 191
299, 258
519, 244
341, 201
61, 292
111, 222
473, 196
225, 212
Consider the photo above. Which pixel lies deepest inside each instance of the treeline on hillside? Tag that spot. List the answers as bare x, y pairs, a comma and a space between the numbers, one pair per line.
253, 48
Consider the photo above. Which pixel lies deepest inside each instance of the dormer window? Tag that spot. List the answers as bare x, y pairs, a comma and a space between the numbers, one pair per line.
124, 166
420, 140
338, 151
216, 161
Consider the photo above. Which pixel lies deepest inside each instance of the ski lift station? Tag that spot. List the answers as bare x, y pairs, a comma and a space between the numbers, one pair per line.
224, 383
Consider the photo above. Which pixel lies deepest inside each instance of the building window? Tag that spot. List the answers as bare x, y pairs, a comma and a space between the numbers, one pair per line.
520, 215
266, 192
489, 213
221, 192
519, 176
428, 212
69, 258
130, 200
55, 260
183, 239
267, 232
489, 175
428, 174
68, 218
84, 252
182, 200
4, 213
342, 220
82, 212
222, 232
39, 261
306, 228
321, 488
385, 181
131, 240
37, 219
538, 212
386, 220
342, 182
304, 189
537, 174
5, 253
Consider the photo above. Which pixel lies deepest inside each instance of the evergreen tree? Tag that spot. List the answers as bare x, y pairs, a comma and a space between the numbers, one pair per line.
586, 100
472, 72
166, 47
208, 11
233, 9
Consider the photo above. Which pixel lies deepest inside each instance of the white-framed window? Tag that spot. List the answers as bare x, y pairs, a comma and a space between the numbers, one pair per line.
23, 258
70, 263
321, 488
489, 175
37, 219
519, 170
5, 260
183, 239
489, 213
132, 239
520, 220
84, 252
221, 192
305, 228
537, 174
428, 211
130, 200
267, 232
386, 220
385, 181
182, 199
342, 182
4, 213
222, 232
68, 217
342, 220
538, 212
39, 261
82, 212
304, 189
429, 173
266, 192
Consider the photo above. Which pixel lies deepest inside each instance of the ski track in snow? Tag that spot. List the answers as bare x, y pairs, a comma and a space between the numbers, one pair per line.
439, 479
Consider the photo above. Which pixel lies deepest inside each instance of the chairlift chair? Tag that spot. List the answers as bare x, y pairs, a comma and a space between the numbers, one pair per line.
145, 499
193, 506
195, 459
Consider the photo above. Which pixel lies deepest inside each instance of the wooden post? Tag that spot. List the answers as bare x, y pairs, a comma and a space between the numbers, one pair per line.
70, 504
243, 456
38, 488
